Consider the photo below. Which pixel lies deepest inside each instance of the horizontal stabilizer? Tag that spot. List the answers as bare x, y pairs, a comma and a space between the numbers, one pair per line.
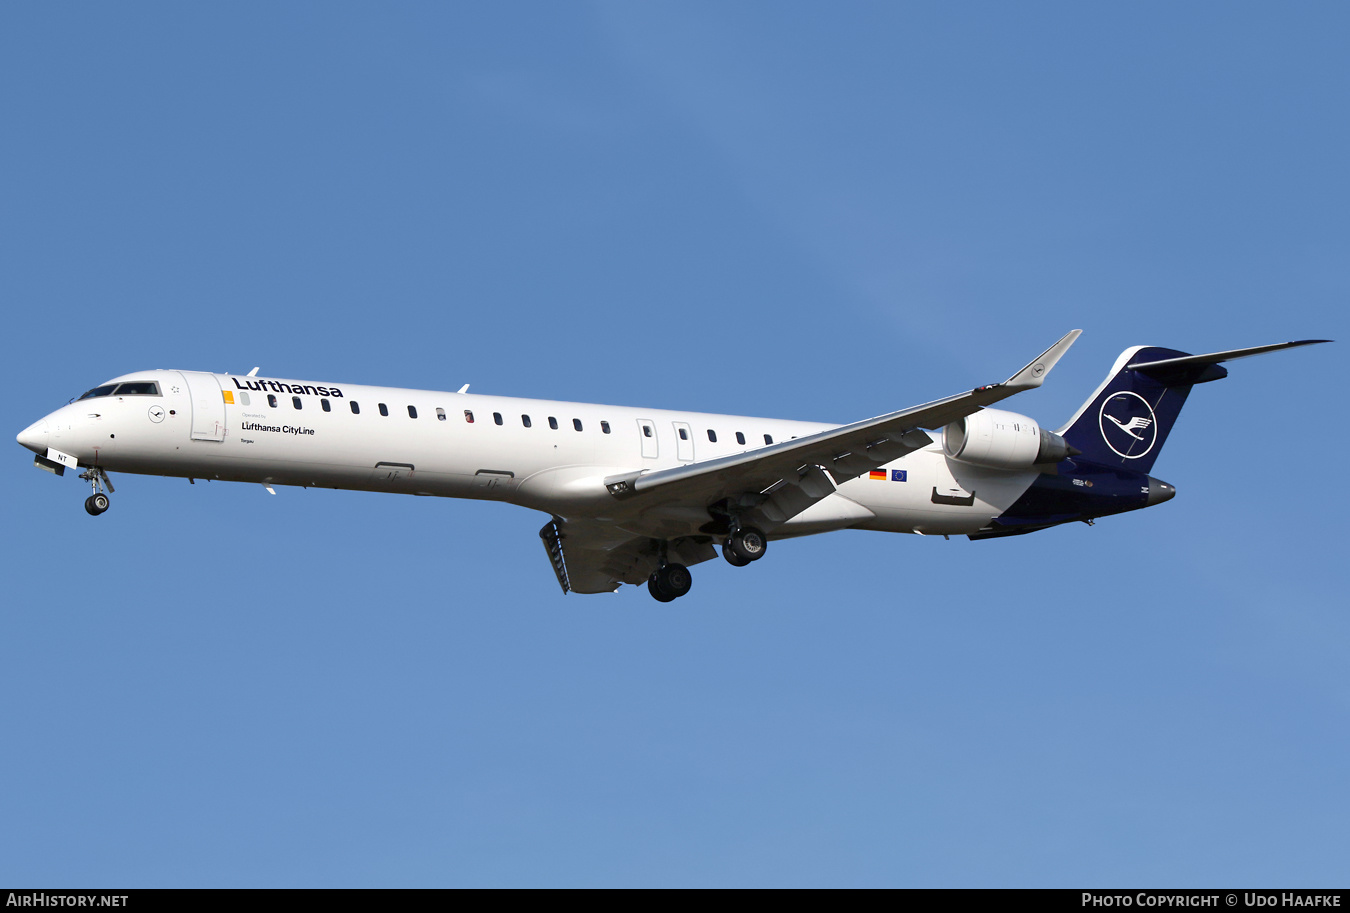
1215, 357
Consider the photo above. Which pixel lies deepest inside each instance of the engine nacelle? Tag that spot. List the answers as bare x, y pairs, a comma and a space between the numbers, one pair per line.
1002, 440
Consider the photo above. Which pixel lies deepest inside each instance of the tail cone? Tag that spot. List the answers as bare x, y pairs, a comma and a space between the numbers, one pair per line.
1159, 491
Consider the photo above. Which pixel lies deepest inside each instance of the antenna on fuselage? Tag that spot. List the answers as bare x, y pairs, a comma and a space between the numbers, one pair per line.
253, 373
464, 389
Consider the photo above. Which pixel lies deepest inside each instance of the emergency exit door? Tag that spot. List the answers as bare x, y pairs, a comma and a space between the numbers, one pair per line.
647, 434
684, 442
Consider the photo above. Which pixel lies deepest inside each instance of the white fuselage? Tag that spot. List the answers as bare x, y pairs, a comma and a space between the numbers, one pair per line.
542, 454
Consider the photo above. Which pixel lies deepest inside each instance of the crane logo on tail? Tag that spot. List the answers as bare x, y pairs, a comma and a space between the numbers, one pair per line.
1128, 424
1128, 427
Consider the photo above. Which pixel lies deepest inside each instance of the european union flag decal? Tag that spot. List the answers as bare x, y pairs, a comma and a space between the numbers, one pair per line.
898, 475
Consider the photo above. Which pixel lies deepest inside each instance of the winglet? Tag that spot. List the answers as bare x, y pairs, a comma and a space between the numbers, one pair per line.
1034, 374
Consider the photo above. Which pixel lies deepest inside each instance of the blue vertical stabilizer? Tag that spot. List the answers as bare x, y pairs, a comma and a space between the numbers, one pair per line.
1126, 421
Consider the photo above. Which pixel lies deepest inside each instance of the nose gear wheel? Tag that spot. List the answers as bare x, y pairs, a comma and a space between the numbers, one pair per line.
98, 502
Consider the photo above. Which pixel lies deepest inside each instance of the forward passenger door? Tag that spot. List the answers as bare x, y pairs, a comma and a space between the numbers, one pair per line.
208, 405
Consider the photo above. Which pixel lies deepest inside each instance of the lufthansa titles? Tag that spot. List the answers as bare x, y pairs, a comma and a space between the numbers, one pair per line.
277, 386
275, 429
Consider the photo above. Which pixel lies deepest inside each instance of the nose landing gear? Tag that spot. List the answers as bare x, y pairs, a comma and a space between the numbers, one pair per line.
98, 502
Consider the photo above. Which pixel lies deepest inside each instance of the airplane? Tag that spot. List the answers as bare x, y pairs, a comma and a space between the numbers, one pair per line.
638, 495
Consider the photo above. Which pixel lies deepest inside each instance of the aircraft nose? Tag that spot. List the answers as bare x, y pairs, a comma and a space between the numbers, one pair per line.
34, 437
1159, 491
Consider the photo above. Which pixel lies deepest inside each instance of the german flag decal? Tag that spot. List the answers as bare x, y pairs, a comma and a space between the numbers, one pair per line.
878, 474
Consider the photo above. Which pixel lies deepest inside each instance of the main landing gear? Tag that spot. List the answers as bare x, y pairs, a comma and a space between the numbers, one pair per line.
670, 581
745, 544
98, 502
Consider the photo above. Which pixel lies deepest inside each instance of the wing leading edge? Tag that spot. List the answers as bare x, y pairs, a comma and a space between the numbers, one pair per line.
783, 479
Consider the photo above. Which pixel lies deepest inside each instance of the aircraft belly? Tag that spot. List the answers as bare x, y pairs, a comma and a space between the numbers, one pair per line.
826, 515
933, 495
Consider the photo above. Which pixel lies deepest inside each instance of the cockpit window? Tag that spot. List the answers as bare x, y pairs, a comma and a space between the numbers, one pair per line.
138, 388
131, 388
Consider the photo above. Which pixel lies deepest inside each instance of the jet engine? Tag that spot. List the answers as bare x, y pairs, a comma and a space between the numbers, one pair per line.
1002, 440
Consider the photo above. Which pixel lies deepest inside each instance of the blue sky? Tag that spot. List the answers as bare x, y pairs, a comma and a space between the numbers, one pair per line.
796, 210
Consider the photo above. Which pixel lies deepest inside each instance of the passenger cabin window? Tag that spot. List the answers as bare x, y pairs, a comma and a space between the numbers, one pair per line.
553, 423
295, 401
272, 400
412, 412
768, 439
497, 417
440, 414
646, 430
525, 420
468, 416
105, 390
740, 438
604, 426
356, 408
384, 410
576, 423
243, 398
684, 434
327, 406
712, 435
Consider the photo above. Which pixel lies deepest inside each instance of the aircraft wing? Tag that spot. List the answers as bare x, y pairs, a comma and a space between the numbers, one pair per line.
590, 557
777, 482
